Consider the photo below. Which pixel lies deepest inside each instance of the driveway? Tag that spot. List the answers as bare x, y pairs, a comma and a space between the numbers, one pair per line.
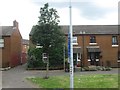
15, 77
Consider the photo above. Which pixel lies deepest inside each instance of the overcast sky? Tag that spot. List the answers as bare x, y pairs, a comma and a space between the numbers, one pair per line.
84, 12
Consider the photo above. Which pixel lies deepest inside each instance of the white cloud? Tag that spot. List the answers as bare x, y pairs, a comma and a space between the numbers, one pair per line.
23, 11
77, 19
106, 3
26, 13
110, 18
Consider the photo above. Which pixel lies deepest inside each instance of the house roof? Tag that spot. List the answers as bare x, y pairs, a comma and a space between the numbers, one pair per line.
92, 29
6, 30
25, 42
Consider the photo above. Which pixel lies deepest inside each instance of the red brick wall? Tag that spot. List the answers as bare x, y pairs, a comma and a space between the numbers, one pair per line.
16, 47
24, 53
108, 52
24, 58
6, 52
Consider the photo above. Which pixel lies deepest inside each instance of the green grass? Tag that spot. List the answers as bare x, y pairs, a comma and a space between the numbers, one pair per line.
80, 81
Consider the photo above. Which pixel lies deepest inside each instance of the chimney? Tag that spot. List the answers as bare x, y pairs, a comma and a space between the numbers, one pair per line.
15, 24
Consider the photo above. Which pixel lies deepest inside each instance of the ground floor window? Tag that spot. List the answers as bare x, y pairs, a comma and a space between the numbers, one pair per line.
119, 55
93, 58
76, 58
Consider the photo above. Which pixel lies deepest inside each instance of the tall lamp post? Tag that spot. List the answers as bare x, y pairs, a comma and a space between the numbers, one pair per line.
70, 45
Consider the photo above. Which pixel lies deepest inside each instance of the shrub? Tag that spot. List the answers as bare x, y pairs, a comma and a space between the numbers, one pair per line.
92, 68
35, 58
106, 68
98, 67
86, 68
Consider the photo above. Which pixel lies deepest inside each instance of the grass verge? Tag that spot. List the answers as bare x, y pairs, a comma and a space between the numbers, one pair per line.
80, 81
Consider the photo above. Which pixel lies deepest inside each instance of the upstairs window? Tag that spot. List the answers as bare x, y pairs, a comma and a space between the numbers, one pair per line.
92, 39
1, 43
114, 40
74, 40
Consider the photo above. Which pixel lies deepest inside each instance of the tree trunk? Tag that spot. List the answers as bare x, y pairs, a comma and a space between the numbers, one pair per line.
47, 70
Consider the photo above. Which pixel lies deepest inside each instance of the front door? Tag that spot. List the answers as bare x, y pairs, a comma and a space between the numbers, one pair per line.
75, 58
93, 58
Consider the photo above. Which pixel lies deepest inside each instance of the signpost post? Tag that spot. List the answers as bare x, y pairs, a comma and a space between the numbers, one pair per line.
70, 50
45, 58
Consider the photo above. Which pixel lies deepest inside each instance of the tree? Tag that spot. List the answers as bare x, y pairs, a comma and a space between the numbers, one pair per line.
48, 34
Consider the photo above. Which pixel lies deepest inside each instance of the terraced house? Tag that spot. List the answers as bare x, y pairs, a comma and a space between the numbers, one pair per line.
94, 44
10, 45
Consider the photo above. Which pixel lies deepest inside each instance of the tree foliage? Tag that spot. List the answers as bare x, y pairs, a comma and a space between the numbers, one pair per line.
47, 33
35, 58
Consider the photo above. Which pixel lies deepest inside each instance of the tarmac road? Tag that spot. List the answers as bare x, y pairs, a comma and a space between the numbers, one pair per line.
15, 77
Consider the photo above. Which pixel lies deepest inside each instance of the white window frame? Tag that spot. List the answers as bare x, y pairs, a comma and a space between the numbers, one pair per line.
118, 57
74, 40
115, 46
93, 39
92, 43
97, 59
38, 46
118, 61
114, 40
78, 56
89, 60
1, 42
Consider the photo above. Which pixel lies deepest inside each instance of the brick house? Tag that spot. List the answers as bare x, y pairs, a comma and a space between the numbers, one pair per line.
93, 44
25, 47
10, 45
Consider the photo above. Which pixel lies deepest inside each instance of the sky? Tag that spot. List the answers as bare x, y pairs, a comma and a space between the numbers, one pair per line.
84, 12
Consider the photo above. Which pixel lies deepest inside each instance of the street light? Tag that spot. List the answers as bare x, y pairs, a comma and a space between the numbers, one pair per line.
71, 49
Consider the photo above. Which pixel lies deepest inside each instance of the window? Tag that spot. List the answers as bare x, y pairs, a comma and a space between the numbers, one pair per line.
74, 40
78, 57
25, 46
38, 46
1, 43
118, 55
92, 39
93, 56
114, 40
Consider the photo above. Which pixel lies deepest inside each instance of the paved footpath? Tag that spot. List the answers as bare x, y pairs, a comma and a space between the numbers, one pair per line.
15, 77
